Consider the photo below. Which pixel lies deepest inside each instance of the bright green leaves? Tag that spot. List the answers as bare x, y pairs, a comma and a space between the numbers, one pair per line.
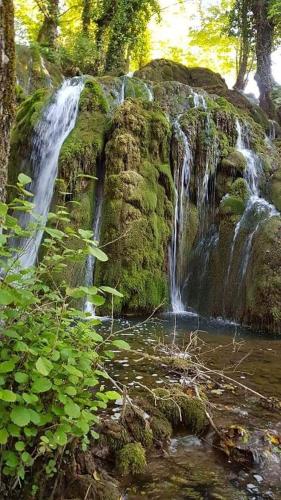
49, 353
121, 344
3, 436
8, 396
44, 366
60, 437
41, 384
98, 253
7, 366
72, 409
21, 377
112, 291
20, 416
24, 179
6, 296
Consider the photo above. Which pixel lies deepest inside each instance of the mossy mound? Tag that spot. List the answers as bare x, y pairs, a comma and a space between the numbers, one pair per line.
234, 162
131, 459
137, 210
263, 281
181, 409
28, 116
161, 70
275, 188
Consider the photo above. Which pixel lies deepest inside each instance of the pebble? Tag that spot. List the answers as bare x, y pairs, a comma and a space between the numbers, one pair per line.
252, 488
258, 478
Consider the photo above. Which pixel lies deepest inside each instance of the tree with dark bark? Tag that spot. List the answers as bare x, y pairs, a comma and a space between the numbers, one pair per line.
86, 17
7, 87
48, 32
264, 26
241, 26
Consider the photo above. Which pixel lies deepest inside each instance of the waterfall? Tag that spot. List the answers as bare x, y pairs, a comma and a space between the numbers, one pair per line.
181, 180
58, 120
257, 209
90, 263
182, 175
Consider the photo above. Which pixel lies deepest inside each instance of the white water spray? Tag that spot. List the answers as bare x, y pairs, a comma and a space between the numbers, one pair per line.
57, 122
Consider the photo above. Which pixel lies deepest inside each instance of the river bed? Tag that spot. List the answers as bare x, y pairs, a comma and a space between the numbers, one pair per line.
191, 468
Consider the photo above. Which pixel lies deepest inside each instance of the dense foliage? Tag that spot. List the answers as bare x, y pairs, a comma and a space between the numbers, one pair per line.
51, 375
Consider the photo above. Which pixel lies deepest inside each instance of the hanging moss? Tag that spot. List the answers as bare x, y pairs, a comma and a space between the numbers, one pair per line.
137, 209
131, 459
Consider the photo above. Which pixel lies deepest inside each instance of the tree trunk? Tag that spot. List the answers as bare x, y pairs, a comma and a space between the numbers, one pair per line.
242, 75
48, 32
245, 29
86, 17
264, 40
7, 87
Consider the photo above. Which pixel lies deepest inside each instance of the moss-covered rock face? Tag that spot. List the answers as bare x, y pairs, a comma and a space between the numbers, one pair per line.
262, 307
28, 116
161, 70
131, 459
137, 213
34, 71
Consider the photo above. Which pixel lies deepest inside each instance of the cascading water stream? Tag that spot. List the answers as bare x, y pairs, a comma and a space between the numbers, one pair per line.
90, 263
182, 175
181, 181
257, 209
57, 122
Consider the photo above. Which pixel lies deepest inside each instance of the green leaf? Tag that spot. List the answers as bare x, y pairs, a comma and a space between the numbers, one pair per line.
44, 366
21, 377
72, 409
6, 296
7, 366
112, 395
121, 344
24, 179
97, 300
20, 445
112, 291
60, 437
8, 396
73, 371
4, 435
14, 430
41, 384
55, 233
29, 398
71, 391
20, 416
98, 254
3, 209
27, 458
87, 235
34, 417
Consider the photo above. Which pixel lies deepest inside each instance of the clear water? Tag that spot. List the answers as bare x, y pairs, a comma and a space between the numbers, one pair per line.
190, 468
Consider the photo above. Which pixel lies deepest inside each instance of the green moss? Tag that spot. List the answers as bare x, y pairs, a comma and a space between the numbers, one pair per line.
232, 205
29, 114
93, 97
181, 409
240, 189
136, 88
114, 436
161, 428
137, 209
131, 459
235, 161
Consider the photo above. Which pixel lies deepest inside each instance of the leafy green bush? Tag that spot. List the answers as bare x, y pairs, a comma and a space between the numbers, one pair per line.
51, 376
